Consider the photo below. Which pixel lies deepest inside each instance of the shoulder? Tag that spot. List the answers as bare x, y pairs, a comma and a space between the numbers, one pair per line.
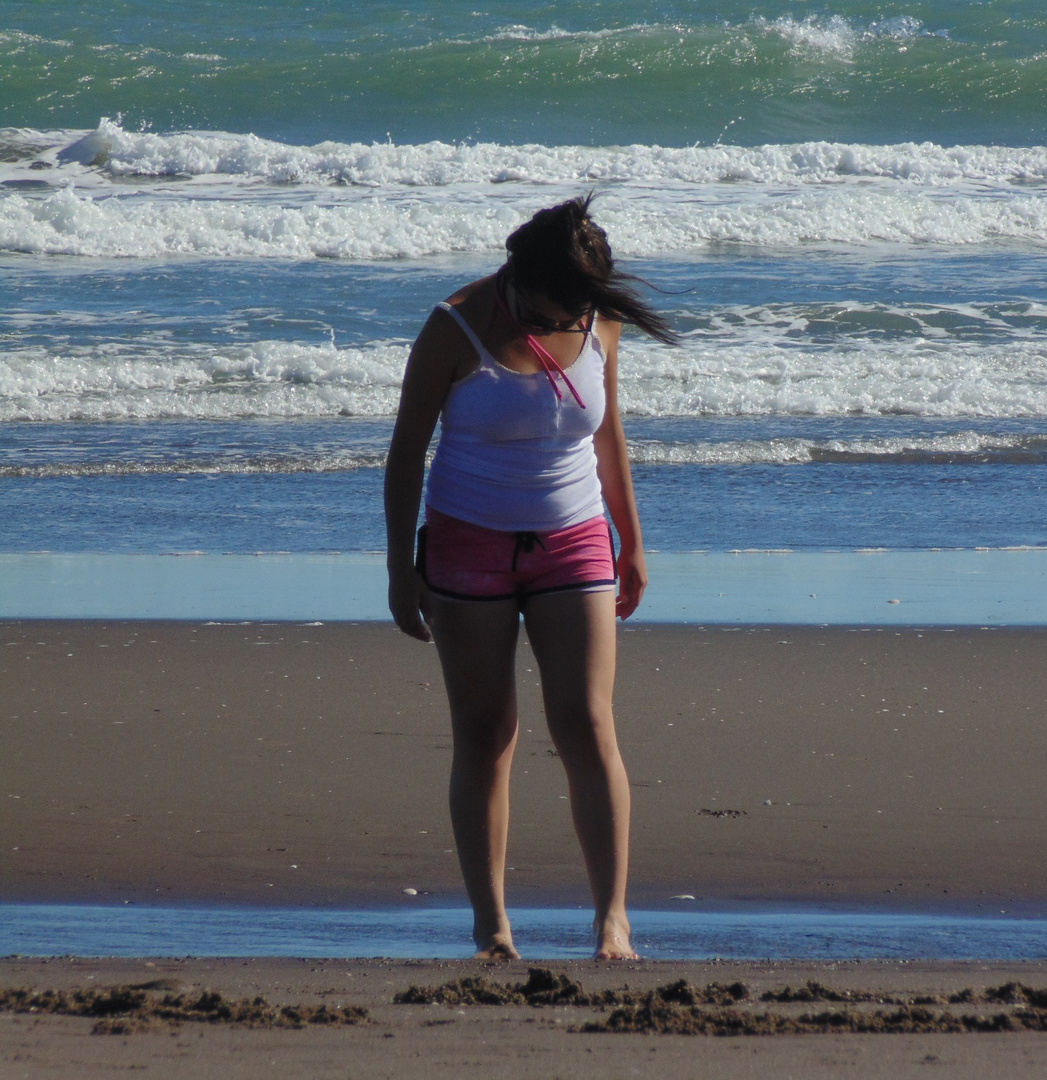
443, 342
441, 324
470, 292
436, 342
469, 303
608, 331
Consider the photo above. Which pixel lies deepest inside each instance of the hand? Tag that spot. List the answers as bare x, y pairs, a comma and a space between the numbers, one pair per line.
632, 580
411, 604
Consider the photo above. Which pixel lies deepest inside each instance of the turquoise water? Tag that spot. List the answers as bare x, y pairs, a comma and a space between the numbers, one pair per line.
539, 933
591, 73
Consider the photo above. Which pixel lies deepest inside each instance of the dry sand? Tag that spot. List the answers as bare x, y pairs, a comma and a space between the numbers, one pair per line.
294, 764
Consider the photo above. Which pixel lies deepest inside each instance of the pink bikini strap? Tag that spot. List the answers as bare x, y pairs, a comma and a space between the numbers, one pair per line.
549, 362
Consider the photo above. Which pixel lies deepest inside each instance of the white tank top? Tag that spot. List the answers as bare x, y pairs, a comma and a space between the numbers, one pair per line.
512, 455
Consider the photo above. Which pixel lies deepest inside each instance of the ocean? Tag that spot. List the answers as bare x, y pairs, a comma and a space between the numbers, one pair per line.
221, 226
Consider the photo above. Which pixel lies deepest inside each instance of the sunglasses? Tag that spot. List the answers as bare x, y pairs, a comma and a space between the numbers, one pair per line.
530, 319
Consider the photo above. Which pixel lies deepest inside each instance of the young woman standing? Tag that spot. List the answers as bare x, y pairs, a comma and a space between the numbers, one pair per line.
521, 370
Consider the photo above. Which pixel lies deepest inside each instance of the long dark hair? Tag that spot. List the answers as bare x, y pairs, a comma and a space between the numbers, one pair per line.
561, 253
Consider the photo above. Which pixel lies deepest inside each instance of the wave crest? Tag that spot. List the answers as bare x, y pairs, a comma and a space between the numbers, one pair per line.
123, 154
398, 225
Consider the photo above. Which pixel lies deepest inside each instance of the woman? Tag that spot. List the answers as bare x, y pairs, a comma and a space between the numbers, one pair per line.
522, 368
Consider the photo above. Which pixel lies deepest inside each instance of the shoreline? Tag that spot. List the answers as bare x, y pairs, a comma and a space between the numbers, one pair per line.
868, 587
546, 935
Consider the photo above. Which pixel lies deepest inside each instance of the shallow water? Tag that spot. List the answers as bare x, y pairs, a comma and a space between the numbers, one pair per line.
869, 588
540, 933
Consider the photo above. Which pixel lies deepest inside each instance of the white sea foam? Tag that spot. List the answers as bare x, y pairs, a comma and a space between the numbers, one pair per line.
834, 36
19, 37
264, 379
528, 34
223, 464
955, 447
747, 377
97, 195
919, 378
65, 221
436, 164
787, 323
963, 447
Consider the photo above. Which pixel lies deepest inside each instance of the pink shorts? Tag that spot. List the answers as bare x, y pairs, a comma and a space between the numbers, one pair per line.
468, 562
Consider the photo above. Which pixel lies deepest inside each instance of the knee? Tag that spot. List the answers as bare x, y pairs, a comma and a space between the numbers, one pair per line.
584, 733
484, 738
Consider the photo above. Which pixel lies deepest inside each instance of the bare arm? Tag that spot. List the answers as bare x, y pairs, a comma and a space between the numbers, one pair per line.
430, 371
612, 466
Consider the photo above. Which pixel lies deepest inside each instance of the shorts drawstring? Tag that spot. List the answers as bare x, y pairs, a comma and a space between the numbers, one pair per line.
525, 542
462, 561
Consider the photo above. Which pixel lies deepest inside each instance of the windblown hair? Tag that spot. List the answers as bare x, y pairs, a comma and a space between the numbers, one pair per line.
561, 253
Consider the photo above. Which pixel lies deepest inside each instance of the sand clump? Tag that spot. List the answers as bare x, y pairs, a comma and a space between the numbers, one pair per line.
677, 1008
122, 1010
659, 1018
545, 987
681, 1008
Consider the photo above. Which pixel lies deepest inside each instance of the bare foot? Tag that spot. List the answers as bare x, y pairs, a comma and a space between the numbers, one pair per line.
501, 951
496, 943
612, 941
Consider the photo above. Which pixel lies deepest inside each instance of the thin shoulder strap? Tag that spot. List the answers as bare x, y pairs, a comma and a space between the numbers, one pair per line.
470, 333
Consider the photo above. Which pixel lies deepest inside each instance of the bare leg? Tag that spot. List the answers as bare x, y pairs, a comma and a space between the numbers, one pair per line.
573, 638
477, 646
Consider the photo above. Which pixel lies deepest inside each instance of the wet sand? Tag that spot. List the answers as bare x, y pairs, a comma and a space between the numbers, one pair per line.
287, 764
